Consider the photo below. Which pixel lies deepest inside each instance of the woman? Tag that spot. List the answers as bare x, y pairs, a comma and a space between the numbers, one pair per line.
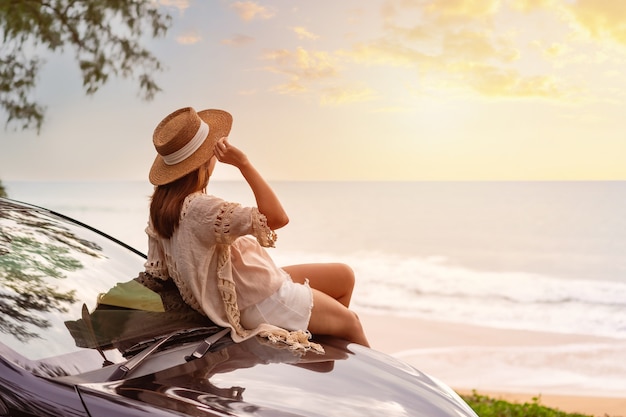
213, 249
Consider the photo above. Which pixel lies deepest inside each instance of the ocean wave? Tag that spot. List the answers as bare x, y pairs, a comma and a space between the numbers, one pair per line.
434, 288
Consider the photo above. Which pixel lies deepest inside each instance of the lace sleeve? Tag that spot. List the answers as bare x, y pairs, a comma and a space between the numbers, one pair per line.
155, 264
233, 221
264, 235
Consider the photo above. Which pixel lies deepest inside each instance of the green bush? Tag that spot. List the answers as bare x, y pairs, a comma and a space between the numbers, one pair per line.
485, 406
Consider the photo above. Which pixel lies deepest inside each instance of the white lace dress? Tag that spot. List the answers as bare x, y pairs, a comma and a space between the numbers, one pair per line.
217, 259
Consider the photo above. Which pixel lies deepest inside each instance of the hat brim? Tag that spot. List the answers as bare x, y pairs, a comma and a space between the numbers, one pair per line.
220, 123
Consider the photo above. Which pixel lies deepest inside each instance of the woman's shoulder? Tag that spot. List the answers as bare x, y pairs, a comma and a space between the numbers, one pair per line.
201, 198
201, 204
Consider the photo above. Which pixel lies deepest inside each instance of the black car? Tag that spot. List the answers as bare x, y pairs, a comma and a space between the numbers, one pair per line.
83, 332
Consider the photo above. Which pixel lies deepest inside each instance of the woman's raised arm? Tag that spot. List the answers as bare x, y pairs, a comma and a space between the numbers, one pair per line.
267, 201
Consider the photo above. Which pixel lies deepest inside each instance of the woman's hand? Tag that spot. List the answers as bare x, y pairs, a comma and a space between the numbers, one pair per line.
229, 154
266, 199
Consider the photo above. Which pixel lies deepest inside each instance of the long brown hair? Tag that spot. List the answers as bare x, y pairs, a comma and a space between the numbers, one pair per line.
167, 200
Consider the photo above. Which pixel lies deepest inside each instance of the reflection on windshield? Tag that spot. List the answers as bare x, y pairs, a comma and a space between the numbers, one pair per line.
118, 324
34, 252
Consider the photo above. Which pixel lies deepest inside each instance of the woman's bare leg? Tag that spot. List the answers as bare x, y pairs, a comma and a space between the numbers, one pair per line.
332, 285
334, 279
330, 317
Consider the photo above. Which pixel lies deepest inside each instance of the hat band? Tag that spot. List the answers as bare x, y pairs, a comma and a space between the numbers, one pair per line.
191, 146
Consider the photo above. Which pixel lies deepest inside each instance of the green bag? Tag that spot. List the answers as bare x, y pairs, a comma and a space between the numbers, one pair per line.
132, 295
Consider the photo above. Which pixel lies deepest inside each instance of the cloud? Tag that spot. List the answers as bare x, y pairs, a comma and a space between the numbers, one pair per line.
304, 69
493, 48
477, 45
337, 95
303, 33
460, 9
601, 18
551, 50
290, 88
250, 10
188, 39
531, 5
238, 40
302, 64
459, 44
443, 12
181, 5
387, 52
506, 82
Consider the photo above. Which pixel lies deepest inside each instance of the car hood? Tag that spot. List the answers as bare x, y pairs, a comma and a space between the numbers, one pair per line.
256, 379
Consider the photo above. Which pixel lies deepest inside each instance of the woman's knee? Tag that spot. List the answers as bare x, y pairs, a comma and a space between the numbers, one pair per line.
354, 330
338, 321
355, 323
344, 274
347, 273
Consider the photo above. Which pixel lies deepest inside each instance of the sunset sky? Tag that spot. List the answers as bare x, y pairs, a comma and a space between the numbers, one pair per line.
359, 90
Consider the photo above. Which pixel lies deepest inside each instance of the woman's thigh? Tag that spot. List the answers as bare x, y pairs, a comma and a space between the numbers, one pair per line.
334, 279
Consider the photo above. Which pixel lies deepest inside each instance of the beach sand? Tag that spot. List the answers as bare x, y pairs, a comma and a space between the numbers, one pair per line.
514, 365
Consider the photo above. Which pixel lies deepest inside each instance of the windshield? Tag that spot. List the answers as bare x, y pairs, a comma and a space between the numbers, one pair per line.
71, 298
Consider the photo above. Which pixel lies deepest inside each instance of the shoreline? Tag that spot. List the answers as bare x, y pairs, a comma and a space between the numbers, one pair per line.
565, 371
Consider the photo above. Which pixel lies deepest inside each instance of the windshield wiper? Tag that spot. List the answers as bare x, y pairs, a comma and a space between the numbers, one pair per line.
92, 334
125, 369
178, 336
206, 344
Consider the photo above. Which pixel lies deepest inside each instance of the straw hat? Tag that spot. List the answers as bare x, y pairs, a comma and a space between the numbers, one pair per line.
184, 140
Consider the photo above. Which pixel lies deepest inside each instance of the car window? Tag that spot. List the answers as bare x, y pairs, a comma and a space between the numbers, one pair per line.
66, 289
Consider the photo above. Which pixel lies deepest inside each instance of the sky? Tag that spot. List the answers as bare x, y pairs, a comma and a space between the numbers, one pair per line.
358, 90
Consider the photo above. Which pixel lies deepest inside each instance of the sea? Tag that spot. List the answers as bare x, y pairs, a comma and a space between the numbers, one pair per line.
538, 256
